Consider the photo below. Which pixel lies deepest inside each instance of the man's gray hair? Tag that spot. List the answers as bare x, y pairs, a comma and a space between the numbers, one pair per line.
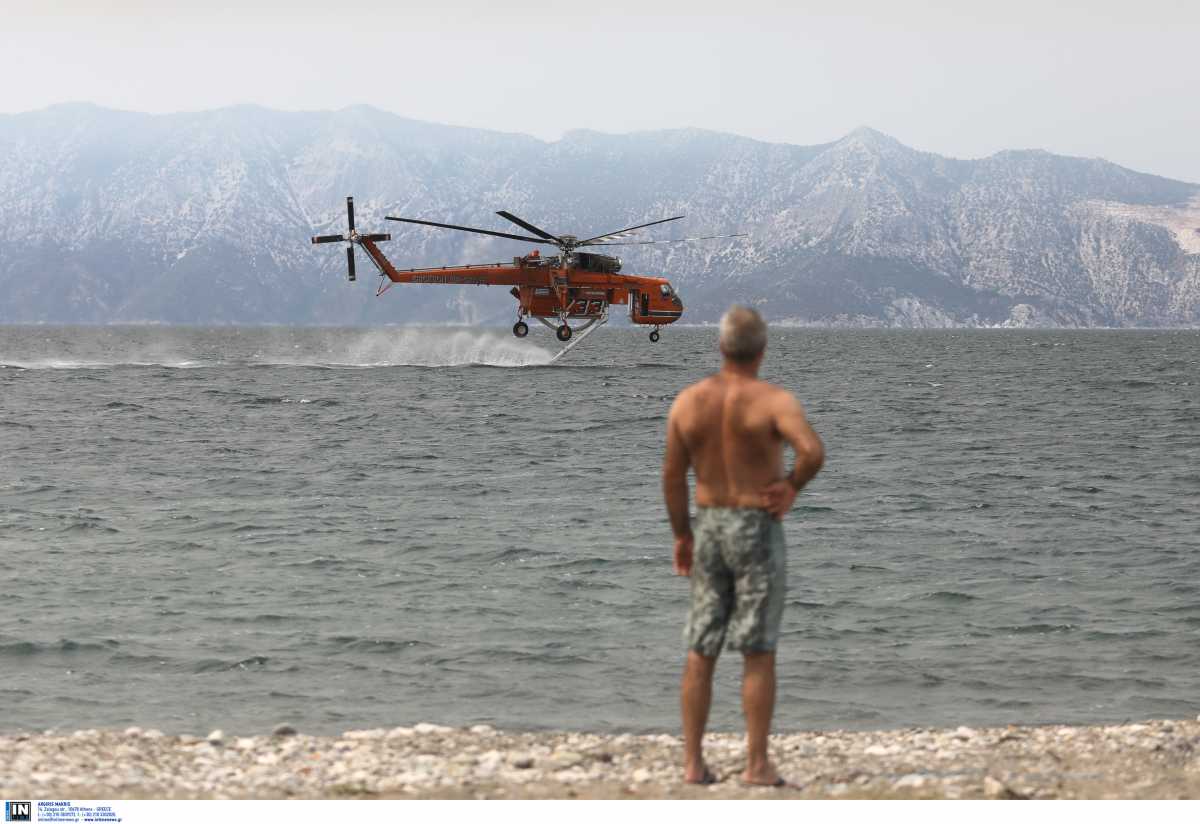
743, 334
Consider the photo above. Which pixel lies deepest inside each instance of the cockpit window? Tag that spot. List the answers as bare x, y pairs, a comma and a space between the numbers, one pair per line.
666, 290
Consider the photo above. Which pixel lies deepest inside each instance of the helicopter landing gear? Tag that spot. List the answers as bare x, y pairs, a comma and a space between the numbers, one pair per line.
654, 336
520, 329
563, 333
580, 334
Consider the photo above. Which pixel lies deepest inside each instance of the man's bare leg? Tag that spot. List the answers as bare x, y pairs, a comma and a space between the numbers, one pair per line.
758, 702
695, 698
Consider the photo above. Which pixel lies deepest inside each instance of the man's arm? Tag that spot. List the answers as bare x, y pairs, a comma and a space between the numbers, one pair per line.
675, 491
793, 427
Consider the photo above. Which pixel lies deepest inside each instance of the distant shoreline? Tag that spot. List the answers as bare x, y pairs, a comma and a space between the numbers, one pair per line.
1154, 759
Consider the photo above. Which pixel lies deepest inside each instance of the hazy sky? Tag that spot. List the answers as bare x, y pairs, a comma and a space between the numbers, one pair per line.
1119, 80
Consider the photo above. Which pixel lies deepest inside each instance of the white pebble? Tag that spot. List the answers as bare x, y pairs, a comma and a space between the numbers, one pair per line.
364, 735
563, 759
490, 761
427, 729
993, 788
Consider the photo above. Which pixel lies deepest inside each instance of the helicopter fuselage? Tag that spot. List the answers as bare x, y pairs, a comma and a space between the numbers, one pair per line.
544, 287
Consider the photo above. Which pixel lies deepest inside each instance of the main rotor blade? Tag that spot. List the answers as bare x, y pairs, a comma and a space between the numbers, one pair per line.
328, 238
674, 240
629, 229
350, 212
528, 226
350, 260
469, 229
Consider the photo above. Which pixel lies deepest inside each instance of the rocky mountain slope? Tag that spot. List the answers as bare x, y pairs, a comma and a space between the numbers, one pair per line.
110, 216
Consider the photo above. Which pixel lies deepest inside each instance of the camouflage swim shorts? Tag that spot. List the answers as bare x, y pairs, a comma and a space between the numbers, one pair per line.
739, 578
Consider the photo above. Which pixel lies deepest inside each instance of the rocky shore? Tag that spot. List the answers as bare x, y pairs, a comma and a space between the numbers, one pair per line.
1155, 759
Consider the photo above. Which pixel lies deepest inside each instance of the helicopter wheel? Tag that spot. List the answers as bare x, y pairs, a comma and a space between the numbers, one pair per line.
654, 336
563, 333
520, 329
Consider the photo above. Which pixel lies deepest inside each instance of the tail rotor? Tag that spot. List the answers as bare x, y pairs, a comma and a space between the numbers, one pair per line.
350, 238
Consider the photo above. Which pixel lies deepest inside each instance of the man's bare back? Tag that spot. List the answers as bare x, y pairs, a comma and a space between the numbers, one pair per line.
730, 428
733, 428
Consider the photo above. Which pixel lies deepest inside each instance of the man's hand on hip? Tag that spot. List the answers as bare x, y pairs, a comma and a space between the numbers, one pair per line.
777, 498
683, 554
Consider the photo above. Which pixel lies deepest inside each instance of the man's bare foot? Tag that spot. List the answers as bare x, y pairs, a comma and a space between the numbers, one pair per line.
765, 776
699, 775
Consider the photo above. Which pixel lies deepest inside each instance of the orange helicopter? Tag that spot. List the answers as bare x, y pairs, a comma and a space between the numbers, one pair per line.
572, 285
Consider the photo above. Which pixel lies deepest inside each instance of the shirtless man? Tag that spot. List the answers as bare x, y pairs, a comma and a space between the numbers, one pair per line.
730, 429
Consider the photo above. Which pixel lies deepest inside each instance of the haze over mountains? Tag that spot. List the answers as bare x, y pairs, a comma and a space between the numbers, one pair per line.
110, 216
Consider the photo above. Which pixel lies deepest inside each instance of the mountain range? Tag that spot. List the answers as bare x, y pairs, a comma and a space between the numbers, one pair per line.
113, 216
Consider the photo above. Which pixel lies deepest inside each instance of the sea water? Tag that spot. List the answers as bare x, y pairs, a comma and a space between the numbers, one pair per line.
346, 528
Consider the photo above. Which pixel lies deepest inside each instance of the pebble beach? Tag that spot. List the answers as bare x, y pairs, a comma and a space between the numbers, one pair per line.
1154, 759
